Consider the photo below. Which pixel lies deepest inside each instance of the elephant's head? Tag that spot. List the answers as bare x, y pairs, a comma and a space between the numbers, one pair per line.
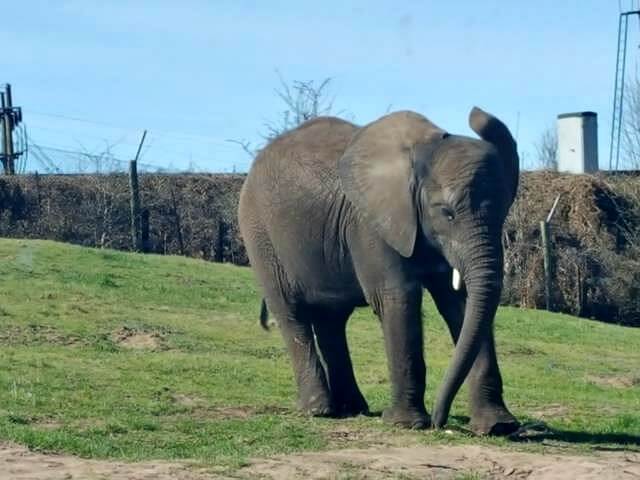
418, 185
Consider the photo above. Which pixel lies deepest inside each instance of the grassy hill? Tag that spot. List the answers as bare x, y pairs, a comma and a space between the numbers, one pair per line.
116, 355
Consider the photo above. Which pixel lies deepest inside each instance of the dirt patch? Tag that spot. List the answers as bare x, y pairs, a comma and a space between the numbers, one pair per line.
614, 381
134, 339
446, 463
519, 350
231, 412
424, 462
19, 463
240, 411
48, 424
554, 410
36, 334
200, 408
351, 438
188, 400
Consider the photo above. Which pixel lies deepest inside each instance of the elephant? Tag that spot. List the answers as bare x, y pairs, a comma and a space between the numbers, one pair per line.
336, 216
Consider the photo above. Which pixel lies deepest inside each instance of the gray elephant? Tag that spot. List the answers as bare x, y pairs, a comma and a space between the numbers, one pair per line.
335, 216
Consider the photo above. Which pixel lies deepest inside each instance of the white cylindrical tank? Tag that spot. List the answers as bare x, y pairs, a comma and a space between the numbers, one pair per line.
578, 142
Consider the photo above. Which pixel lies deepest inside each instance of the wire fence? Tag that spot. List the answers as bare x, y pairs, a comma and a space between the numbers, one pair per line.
58, 144
54, 160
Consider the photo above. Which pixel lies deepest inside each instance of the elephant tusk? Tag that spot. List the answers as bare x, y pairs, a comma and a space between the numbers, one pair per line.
456, 280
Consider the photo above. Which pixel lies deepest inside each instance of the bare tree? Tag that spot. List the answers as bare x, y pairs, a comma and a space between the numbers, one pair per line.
303, 100
246, 145
547, 149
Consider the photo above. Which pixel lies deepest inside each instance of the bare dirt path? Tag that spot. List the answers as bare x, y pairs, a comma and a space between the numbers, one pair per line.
442, 462
19, 463
406, 463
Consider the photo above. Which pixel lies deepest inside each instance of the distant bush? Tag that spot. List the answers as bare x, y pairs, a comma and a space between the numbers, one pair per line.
192, 215
595, 230
596, 245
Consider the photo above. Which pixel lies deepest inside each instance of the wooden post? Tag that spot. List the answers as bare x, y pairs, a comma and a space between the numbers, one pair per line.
144, 234
177, 223
136, 234
135, 206
545, 236
220, 243
546, 252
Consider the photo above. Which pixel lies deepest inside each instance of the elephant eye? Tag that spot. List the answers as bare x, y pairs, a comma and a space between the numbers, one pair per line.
448, 213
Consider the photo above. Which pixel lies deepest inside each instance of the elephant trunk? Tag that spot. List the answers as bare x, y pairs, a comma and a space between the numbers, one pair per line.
482, 273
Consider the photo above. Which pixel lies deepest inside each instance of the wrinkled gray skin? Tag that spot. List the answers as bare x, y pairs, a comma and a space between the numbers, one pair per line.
335, 216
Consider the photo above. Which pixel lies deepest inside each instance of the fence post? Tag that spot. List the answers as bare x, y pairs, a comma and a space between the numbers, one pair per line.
221, 240
145, 240
135, 206
545, 237
176, 219
546, 253
136, 235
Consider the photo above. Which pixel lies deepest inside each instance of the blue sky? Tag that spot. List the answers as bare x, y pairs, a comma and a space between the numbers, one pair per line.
196, 73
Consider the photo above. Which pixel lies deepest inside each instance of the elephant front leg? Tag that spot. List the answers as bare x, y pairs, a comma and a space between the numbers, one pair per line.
489, 414
400, 314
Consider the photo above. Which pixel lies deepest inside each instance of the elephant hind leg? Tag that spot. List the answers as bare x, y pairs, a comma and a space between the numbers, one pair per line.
294, 324
329, 326
314, 397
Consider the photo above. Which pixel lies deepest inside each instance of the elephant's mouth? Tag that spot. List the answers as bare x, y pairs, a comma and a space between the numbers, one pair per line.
456, 277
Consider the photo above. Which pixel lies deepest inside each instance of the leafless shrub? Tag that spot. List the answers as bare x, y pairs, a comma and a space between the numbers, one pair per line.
547, 149
303, 100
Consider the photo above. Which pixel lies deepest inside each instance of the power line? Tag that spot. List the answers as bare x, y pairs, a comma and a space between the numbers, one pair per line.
59, 131
203, 138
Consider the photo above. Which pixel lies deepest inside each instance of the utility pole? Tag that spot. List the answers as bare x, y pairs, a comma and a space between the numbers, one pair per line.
618, 89
10, 116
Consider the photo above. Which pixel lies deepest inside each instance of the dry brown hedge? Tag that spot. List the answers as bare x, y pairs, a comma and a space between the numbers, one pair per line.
190, 215
595, 230
595, 239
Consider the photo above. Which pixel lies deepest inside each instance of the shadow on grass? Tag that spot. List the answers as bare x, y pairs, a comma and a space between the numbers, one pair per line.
375, 413
538, 431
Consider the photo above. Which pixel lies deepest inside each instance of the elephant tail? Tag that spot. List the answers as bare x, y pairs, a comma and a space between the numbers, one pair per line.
264, 315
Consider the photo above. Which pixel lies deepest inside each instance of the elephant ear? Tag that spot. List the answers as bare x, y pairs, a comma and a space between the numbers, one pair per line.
376, 173
492, 130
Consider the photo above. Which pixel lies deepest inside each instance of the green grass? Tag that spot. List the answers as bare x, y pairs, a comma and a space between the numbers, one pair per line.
211, 386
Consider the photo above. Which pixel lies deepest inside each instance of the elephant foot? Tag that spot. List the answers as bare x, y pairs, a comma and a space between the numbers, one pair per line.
496, 422
318, 405
353, 406
407, 418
